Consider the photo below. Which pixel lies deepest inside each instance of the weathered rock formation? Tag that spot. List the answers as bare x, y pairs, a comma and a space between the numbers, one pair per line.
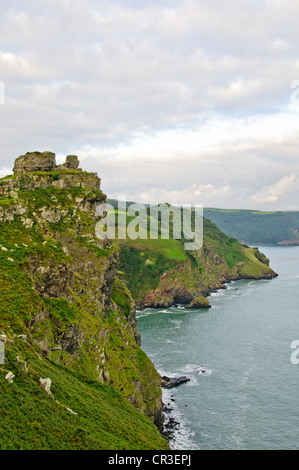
43, 161
170, 382
35, 161
71, 163
60, 281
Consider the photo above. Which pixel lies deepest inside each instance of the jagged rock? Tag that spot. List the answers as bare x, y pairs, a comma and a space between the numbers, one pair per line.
72, 162
43, 161
35, 161
169, 382
69, 340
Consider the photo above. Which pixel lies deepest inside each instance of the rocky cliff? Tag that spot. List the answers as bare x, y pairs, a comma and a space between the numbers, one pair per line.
59, 284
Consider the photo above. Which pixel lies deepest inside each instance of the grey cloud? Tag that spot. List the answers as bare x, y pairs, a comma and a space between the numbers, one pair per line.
82, 75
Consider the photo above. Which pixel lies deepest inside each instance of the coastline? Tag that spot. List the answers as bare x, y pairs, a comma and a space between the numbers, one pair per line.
169, 423
186, 298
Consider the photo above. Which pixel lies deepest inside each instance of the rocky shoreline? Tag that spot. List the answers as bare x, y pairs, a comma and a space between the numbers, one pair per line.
170, 424
197, 301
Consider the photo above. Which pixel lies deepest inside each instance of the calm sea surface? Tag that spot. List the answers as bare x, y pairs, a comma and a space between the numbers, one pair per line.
248, 396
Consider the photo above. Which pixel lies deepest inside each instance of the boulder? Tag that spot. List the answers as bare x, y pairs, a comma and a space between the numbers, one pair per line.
35, 161
71, 162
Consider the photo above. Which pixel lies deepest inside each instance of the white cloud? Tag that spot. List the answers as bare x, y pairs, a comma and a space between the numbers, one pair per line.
14, 63
282, 189
182, 97
4, 171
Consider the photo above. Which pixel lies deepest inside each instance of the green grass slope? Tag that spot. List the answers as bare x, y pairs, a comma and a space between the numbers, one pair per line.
78, 414
59, 290
161, 273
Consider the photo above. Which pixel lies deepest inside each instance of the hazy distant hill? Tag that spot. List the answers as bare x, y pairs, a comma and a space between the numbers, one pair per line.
257, 227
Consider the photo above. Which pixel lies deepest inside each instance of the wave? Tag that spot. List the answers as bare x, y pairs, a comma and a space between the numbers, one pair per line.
196, 369
147, 312
182, 435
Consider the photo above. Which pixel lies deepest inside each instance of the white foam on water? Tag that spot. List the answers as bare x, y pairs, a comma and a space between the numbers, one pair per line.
182, 438
192, 382
218, 293
147, 312
290, 278
196, 369
177, 307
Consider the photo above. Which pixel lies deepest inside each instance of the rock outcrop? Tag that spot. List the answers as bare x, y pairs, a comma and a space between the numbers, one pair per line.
59, 281
71, 163
35, 161
43, 161
170, 382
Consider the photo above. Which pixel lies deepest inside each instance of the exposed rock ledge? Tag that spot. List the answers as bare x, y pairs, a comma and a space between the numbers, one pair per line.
170, 382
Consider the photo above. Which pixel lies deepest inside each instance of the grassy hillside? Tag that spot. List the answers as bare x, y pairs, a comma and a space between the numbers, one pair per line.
67, 315
162, 273
257, 227
78, 414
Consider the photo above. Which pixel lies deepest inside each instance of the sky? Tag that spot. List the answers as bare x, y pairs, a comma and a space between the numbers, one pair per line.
181, 101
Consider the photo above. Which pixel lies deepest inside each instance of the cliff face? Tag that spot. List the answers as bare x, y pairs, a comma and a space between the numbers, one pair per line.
59, 284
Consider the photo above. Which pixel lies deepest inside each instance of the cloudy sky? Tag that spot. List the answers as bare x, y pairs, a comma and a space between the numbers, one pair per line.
180, 101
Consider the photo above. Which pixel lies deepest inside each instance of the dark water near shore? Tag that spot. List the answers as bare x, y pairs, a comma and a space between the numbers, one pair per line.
248, 397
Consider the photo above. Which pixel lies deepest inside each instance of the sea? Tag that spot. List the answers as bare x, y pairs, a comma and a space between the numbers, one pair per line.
241, 357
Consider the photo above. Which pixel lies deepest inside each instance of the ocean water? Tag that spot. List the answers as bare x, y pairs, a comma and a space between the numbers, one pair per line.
248, 396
